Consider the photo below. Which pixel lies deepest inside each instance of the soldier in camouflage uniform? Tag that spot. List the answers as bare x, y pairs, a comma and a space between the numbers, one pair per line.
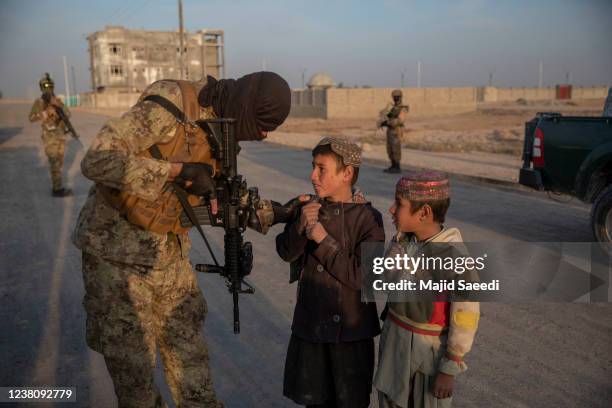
392, 117
53, 132
141, 293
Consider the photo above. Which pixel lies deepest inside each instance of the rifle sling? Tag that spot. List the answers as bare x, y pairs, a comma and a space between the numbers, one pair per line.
167, 105
182, 197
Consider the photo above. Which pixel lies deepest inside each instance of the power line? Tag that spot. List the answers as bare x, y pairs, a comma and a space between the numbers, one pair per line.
130, 10
125, 12
117, 12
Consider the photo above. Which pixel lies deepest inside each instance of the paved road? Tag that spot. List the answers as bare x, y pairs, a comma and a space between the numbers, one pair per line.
545, 354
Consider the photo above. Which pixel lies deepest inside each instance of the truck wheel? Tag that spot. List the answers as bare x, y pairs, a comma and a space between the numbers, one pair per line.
601, 215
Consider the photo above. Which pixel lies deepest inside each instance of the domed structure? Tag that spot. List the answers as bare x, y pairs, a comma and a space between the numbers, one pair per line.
320, 81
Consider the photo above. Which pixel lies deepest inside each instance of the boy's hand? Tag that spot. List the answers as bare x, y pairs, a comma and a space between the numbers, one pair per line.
443, 386
316, 232
309, 216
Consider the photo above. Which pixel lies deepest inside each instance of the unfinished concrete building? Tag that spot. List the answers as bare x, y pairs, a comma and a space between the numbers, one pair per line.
127, 61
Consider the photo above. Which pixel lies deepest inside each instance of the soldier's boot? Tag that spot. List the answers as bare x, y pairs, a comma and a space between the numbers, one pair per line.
61, 192
395, 167
56, 163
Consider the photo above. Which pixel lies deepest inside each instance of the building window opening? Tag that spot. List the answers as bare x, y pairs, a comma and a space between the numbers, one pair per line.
115, 49
116, 70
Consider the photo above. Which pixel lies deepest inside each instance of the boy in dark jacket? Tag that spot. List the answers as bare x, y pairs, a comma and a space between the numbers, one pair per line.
330, 359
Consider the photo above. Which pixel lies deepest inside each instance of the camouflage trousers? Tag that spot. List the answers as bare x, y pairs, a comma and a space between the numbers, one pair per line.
133, 312
394, 144
55, 145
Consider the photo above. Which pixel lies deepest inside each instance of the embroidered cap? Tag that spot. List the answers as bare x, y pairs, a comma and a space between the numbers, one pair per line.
423, 186
349, 151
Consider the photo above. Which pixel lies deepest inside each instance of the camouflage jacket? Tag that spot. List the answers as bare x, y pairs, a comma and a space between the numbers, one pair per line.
113, 160
52, 123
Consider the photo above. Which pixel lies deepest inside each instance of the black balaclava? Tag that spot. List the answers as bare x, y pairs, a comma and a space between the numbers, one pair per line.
259, 102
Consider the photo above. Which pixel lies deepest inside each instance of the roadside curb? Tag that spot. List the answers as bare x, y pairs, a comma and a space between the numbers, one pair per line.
455, 175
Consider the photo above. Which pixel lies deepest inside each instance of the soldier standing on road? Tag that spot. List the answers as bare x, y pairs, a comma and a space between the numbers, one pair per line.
141, 293
53, 132
392, 117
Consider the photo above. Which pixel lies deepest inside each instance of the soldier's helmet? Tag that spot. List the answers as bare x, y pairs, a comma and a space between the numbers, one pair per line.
46, 83
396, 93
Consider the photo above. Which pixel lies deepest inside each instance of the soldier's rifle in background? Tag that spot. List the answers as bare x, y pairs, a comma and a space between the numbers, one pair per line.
389, 113
394, 112
62, 117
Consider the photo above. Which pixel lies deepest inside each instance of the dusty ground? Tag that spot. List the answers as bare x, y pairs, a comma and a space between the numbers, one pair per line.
494, 128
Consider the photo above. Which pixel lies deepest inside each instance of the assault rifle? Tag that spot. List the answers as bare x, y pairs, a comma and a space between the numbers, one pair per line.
237, 205
394, 112
389, 113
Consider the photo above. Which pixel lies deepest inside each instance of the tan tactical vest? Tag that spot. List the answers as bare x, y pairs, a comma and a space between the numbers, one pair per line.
53, 123
189, 145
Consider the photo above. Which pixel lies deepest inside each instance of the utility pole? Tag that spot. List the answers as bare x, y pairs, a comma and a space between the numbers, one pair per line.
74, 88
263, 64
180, 10
541, 75
403, 75
491, 77
418, 74
66, 84
92, 71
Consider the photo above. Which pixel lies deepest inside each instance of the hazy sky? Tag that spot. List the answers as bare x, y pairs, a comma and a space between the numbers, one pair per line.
357, 42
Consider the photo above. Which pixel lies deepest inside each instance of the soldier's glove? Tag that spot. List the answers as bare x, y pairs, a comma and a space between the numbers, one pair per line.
286, 213
200, 176
267, 213
261, 216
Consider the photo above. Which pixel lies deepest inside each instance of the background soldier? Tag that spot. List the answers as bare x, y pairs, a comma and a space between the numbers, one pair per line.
53, 132
141, 293
392, 117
